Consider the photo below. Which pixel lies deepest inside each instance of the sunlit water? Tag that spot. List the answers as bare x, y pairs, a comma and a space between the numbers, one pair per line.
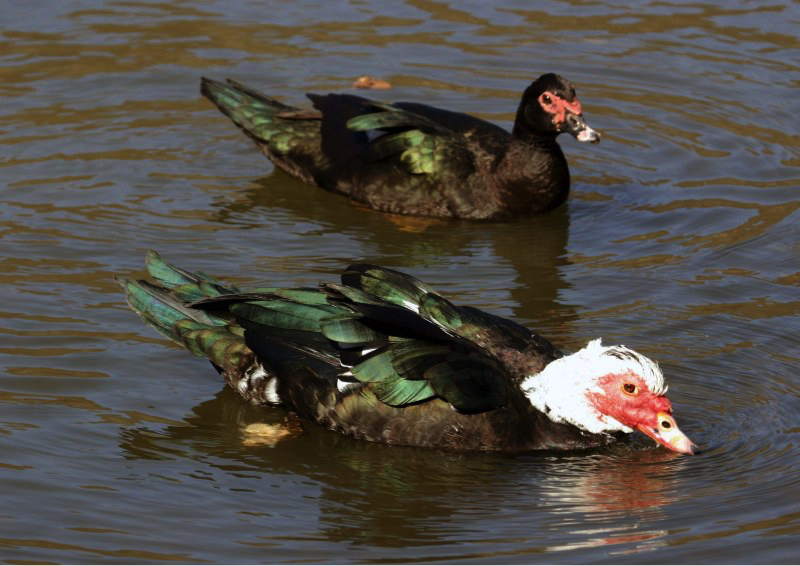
680, 239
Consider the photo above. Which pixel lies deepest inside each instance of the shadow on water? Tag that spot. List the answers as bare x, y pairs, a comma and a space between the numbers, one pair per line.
535, 283
373, 495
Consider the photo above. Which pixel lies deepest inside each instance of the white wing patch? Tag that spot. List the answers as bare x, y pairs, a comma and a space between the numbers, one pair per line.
271, 391
258, 385
343, 386
411, 306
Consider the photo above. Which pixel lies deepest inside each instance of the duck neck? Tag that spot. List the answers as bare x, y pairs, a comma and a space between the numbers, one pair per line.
534, 174
523, 132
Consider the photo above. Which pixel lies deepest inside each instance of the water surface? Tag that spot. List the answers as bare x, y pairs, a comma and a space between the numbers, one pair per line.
680, 239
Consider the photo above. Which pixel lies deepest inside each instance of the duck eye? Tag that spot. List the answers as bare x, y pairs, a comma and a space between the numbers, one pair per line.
630, 389
546, 99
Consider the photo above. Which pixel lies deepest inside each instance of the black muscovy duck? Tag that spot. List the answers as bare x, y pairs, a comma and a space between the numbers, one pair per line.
409, 158
383, 357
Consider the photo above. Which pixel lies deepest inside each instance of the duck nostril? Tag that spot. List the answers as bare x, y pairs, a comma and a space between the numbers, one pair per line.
574, 122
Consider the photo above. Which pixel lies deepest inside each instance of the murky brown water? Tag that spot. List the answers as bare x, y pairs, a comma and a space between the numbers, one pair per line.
681, 239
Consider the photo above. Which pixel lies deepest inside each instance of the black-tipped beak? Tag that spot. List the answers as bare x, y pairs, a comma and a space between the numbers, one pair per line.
577, 126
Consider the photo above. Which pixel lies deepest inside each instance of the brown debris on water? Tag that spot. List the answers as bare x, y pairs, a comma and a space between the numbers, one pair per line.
262, 434
374, 83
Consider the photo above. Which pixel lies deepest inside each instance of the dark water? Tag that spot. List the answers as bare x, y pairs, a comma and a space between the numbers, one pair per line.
680, 239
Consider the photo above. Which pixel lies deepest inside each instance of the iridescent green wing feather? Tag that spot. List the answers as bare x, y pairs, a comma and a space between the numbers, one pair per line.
420, 145
214, 336
304, 324
414, 371
279, 127
519, 350
403, 342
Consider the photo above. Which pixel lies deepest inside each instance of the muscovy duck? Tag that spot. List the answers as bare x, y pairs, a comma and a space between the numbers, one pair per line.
383, 357
409, 158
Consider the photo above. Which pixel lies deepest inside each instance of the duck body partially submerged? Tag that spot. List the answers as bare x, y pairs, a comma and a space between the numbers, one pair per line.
415, 159
383, 357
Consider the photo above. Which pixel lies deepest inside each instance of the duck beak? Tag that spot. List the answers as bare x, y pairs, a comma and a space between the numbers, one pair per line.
668, 434
577, 126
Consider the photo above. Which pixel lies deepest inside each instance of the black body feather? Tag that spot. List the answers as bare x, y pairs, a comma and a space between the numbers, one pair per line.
416, 369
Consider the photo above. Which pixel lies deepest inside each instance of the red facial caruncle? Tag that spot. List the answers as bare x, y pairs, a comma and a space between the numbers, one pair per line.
558, 107
627, 398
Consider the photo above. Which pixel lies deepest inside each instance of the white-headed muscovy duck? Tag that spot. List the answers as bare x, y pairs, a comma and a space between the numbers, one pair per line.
410, 158
383, 357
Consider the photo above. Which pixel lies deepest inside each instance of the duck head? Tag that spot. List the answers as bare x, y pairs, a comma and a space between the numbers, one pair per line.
604, 389
549, 107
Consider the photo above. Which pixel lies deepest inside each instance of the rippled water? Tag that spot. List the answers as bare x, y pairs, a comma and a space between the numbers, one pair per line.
680, 239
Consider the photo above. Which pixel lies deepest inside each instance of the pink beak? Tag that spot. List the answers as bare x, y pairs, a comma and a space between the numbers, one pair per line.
668, 434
